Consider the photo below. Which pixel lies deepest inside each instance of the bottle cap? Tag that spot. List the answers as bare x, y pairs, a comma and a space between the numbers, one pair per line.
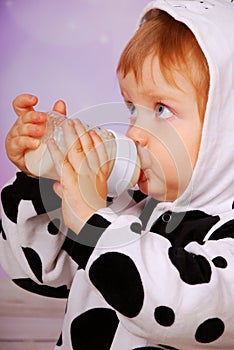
124, 166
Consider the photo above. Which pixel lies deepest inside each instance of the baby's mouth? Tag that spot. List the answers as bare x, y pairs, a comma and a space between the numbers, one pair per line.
142, 176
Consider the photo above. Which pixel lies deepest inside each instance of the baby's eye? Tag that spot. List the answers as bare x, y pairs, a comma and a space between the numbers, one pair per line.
163, 112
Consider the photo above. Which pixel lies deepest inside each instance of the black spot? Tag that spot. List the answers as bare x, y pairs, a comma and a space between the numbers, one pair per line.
118, 280
109, 201
225, 231
10, 203
147, 211
2, 231
34, 262
167, 347
92, 230
220, 262
81, 246
60, 340
80, 253
47, 200
136, 227
148, 348
94, 329
210, 330
164, 315
137, 195
54, 292
166, 217
162, 347
184, 227
53, 226
40, 192
193, 269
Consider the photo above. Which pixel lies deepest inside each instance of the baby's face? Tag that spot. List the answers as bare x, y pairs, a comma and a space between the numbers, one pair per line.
166, 127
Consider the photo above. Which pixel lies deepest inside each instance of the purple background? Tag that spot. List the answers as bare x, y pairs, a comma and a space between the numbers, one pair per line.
64, 49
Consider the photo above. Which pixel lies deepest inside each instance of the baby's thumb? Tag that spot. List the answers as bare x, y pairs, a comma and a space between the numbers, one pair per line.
60, 107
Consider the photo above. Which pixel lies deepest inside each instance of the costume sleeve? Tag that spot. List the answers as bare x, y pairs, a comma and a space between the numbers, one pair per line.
37, 250
169, 290
35, 245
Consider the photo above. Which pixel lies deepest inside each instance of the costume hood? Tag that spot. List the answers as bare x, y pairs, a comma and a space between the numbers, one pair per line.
211, 188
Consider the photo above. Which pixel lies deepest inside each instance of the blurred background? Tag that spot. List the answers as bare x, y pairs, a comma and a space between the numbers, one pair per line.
56, 49
59, 49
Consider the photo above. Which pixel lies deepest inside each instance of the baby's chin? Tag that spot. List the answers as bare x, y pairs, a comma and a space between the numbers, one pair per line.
154, 193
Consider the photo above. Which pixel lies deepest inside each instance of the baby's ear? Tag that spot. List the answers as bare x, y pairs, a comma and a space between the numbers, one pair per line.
60, 107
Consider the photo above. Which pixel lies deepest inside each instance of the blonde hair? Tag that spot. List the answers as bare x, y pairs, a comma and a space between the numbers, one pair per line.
176, 48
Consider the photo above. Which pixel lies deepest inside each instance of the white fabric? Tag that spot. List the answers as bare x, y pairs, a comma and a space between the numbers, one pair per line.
212, 23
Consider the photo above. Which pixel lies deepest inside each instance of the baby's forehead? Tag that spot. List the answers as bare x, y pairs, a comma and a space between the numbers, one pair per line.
153, 77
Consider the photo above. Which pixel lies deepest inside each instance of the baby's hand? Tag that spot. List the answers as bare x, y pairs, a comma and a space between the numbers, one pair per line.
83, 173
29, 127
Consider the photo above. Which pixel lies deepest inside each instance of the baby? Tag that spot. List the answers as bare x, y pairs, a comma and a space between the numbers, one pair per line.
154, 269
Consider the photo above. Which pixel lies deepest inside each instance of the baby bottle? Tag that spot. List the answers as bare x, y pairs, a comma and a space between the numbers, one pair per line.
122, 154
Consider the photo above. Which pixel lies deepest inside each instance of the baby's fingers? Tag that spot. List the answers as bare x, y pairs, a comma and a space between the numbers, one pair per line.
24, 103
57, 156
87, 146
63, 168
16, 147
31, 130
75, 153
70, 135
22, 143
34, 117
101, 152
60, 107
